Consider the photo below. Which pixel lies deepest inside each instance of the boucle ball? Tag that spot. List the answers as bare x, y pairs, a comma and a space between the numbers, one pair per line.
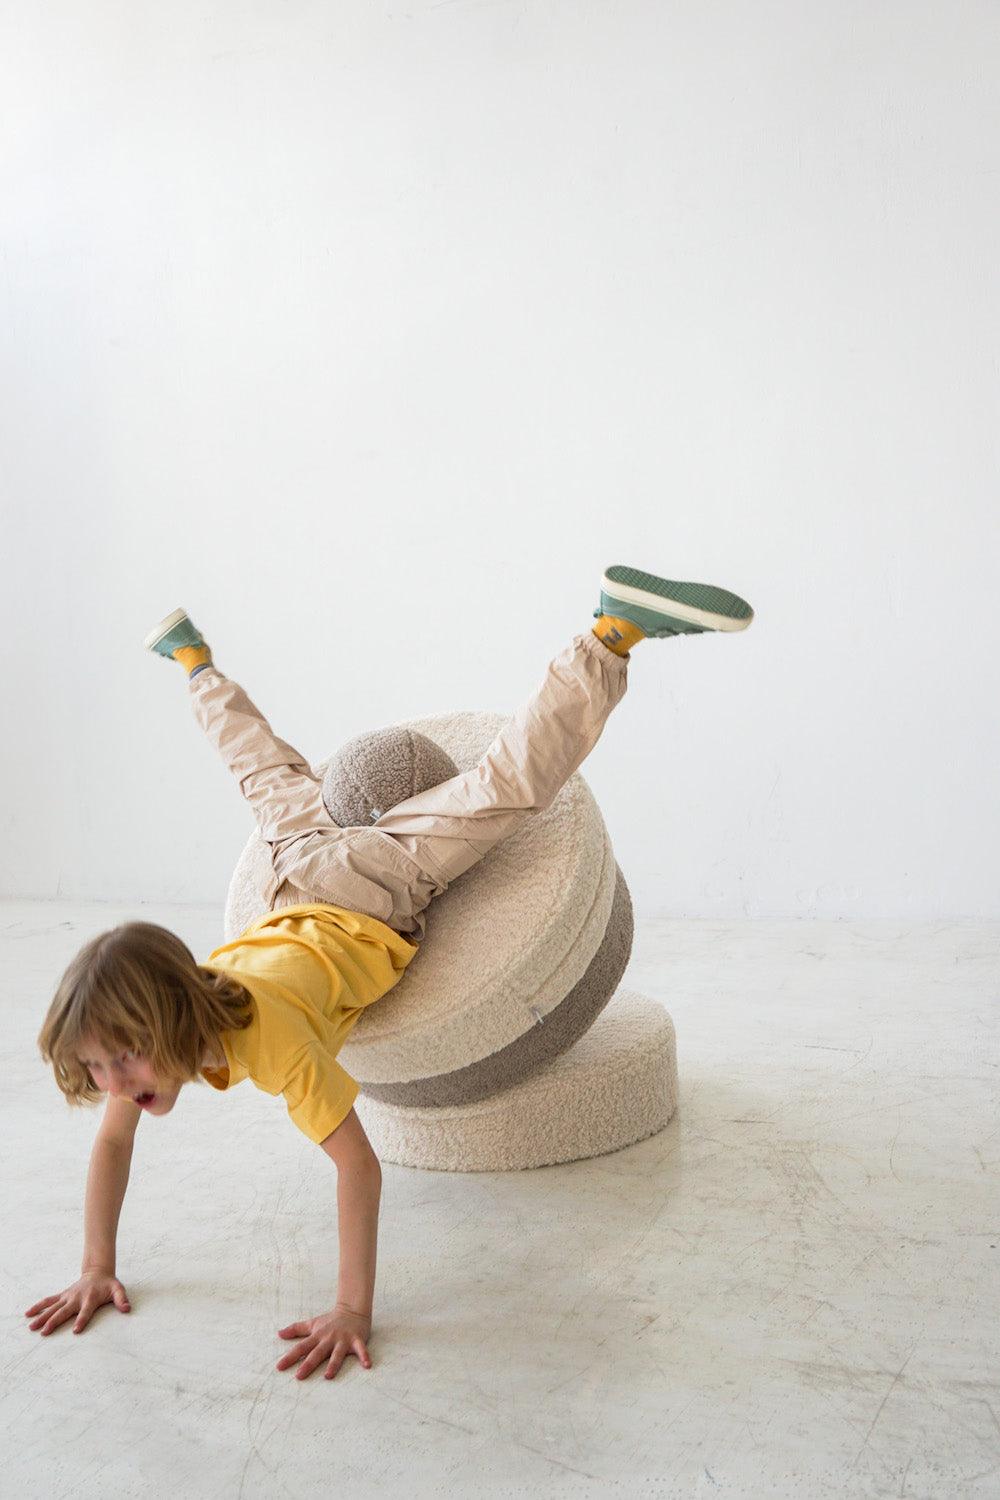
374, 771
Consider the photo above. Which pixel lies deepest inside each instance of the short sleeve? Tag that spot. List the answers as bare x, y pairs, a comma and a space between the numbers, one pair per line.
319, 1093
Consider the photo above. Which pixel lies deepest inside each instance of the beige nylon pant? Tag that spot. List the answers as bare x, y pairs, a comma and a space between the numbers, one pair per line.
394, 868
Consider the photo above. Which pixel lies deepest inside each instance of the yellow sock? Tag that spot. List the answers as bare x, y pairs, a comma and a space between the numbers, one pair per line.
193, 656
618, 635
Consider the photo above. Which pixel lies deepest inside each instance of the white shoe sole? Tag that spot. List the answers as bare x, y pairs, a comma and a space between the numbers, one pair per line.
165, 626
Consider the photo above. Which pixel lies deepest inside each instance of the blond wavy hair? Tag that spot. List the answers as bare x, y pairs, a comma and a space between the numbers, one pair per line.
138, 987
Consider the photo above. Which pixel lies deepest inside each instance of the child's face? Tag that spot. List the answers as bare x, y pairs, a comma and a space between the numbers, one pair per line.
127, 1074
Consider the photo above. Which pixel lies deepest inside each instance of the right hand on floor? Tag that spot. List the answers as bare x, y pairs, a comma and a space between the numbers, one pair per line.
82, 1299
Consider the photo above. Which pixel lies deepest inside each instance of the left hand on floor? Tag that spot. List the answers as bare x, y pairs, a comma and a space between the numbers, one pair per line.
332, 1336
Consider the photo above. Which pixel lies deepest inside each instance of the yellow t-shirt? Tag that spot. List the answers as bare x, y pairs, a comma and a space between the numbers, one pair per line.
310, 970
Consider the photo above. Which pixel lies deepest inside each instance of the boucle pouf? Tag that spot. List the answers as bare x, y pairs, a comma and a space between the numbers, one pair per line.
617, 1086
520, 956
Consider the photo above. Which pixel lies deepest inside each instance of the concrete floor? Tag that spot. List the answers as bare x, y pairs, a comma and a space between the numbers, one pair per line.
793, 1290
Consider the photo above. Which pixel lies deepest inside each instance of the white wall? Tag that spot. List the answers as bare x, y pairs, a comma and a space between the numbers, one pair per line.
371, 334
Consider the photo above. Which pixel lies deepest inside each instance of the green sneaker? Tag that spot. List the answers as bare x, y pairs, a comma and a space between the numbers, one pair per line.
174, 631
660, 607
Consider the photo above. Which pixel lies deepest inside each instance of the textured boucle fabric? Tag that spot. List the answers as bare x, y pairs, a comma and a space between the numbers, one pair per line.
561, 1028
504, 946
509, 945
375, 771
616, 1086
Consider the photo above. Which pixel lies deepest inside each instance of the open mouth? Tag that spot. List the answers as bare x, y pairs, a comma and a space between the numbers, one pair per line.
144, 1099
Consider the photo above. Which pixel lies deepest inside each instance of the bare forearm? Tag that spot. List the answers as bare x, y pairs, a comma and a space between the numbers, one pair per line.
359, 1191
107, 1180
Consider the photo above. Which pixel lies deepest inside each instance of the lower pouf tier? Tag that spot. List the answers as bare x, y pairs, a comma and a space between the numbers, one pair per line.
616, 1086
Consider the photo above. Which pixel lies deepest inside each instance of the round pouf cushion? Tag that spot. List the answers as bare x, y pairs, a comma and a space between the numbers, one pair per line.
521, 953
617, 1086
